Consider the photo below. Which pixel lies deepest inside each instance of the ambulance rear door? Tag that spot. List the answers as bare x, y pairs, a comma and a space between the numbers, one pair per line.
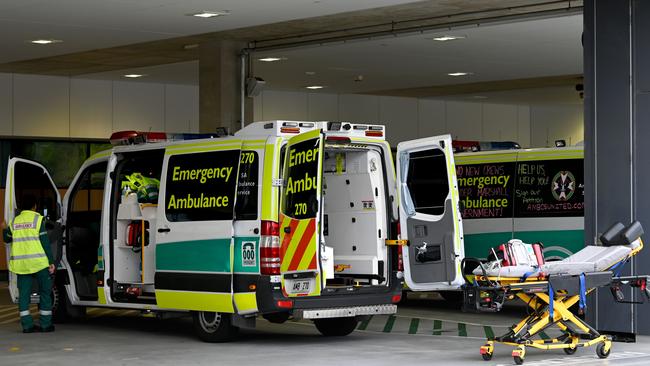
29, 177
194, 226
300, 209
429, 215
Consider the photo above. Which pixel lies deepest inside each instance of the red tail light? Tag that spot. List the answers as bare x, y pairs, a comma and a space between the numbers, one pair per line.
285, 304
396, 298
270, 228
375, 133
270, 248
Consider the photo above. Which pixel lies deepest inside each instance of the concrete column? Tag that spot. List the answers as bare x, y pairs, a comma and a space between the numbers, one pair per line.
219, 85
617, 162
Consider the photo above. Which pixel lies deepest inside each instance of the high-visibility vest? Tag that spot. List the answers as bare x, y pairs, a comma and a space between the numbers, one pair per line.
146, 188
27, 254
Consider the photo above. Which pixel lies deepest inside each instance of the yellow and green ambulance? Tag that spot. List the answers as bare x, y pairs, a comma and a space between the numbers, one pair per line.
284, 220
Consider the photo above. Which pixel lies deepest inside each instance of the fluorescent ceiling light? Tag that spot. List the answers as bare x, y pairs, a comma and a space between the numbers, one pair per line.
446, 38
133, 76
314, 87
460, 73
46, 41
272, 59
210, 14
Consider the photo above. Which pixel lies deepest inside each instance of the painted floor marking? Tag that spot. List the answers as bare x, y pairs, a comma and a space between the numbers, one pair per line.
396, 324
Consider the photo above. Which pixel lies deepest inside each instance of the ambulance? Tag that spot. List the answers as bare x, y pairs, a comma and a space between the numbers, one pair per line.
287, 220
536, 195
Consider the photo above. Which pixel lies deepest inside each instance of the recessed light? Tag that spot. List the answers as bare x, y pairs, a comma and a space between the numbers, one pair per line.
210, 14
272, 59
133, 76
446, 38
314, 87
460, 73
46, 41
310, 73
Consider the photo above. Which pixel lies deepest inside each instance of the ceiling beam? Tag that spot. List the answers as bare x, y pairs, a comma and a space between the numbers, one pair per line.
482, 87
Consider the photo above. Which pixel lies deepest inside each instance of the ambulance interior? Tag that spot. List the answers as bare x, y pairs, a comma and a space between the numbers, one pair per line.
355, 216
83, 226
132, 228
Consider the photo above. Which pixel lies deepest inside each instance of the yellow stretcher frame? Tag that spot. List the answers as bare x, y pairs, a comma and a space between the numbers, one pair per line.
538, 322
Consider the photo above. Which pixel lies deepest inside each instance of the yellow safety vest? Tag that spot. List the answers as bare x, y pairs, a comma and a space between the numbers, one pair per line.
27, 254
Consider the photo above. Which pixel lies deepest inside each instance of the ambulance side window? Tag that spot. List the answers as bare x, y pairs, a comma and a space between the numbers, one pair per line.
30, 179
247, 186
201, 186
427, 181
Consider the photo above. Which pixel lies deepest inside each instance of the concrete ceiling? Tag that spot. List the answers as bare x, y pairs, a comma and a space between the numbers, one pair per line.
511, 51
88, 25
541, 59
119, 34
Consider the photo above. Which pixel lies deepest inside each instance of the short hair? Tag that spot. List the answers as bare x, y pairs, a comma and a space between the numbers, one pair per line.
27, 202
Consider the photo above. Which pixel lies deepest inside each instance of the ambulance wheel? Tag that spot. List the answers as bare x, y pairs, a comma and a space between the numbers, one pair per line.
62, 308
452, 297
336, 327
276, 318
570, 351
214, 327
600, 350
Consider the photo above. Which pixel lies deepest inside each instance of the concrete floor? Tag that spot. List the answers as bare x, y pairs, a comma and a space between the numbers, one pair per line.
424, 332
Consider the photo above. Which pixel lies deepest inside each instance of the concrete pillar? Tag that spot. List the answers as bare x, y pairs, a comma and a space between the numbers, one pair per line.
219, 85
617, 162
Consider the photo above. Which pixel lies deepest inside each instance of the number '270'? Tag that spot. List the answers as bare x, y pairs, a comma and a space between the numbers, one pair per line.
300, 208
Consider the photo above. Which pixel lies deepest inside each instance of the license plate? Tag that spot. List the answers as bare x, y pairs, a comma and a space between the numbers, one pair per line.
302, 286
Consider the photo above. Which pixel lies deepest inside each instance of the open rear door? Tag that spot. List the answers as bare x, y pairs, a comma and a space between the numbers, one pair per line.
300, 215
29, 177
428, 211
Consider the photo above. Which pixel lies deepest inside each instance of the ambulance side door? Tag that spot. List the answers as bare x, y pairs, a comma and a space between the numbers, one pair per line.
300, 211
429, 215
194, 227
29, 177
247, 226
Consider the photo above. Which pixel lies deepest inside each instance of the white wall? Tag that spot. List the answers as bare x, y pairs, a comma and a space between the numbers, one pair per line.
550, 123
49, 106
34, 105
405, 118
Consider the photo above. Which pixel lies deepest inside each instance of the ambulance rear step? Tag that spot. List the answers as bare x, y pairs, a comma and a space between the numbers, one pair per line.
345, 312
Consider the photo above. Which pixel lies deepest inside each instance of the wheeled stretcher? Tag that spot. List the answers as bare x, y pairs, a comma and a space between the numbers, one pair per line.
552, 289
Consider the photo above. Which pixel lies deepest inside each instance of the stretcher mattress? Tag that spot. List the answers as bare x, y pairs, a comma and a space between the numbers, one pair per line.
590, 259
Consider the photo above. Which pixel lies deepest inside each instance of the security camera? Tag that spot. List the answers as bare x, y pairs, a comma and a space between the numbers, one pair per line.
254, 86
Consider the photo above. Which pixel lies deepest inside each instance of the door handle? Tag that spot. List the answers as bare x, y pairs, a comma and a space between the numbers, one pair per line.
287, 229
164, 230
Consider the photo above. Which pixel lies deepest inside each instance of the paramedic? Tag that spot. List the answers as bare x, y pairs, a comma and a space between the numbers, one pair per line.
31, 258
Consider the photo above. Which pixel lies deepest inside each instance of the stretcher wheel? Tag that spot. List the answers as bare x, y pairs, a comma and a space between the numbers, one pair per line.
600, 351
518, 360
570, 351
486, 356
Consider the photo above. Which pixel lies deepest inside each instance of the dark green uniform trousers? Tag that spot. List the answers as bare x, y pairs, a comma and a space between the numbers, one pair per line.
45, 292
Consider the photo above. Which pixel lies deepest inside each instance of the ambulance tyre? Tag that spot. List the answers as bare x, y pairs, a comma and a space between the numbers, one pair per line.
452, 297
62, 308
336, 327
276, 318
214, 327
